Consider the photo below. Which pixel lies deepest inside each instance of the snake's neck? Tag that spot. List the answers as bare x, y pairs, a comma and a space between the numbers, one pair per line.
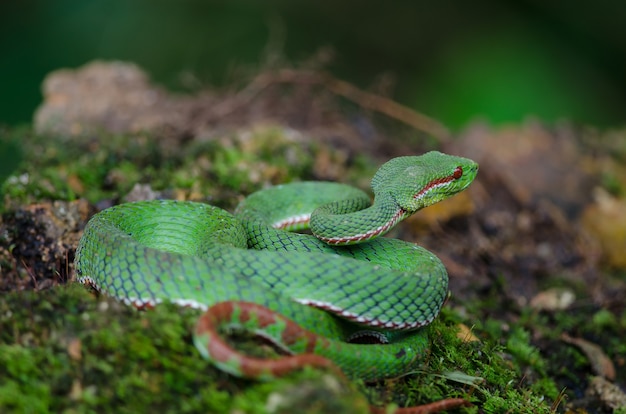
343, 223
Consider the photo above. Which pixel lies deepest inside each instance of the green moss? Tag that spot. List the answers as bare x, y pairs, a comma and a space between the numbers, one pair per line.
518, 344
512, 401
546, 386
61, 350
603, 320
106, 166
130, 361
479, 371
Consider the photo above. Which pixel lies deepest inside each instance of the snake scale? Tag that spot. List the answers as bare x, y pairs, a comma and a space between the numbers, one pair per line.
308, 294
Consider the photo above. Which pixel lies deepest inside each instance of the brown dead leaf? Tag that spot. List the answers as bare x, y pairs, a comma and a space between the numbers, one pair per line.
553, 299
74, 349
465, 334
610, 394
76, 391
605, 219
600, 362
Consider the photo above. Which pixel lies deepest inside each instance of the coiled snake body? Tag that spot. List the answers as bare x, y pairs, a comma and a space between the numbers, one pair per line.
305, 293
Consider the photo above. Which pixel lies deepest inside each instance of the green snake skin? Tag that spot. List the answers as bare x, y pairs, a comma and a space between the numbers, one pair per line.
198, 255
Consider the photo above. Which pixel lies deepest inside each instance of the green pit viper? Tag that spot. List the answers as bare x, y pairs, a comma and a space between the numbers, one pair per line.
308, 294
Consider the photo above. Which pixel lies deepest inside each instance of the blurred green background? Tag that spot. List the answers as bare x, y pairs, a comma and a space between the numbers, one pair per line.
456, 61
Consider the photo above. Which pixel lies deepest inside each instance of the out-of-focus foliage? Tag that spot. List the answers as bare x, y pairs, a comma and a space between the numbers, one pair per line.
453, 60
10, 155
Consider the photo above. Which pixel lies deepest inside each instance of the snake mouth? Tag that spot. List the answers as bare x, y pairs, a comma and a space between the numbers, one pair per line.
438, 183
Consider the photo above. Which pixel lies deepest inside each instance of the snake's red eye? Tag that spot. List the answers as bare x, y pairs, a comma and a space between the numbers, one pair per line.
458, 172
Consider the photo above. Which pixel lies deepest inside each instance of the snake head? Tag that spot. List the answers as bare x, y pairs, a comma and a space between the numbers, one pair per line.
419, 181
